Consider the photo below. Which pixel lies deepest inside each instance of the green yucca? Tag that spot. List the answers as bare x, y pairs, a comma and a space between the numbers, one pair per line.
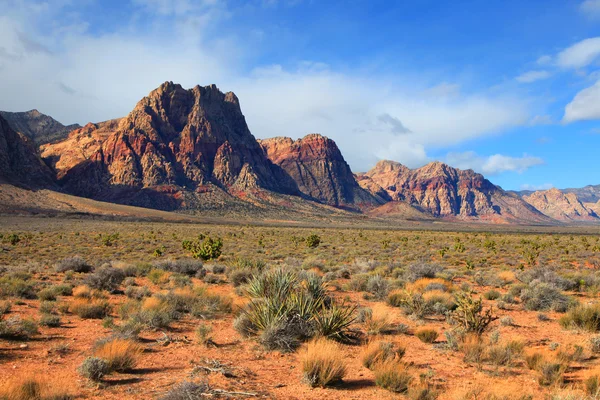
334, 322
277, 284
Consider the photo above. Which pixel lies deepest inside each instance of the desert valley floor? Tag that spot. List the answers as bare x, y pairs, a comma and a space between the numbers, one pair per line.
70, 286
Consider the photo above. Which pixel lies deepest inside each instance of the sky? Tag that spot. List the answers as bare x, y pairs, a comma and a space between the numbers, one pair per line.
509, 88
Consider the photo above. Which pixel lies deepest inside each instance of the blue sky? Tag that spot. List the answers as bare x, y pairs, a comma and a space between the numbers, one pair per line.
508, 88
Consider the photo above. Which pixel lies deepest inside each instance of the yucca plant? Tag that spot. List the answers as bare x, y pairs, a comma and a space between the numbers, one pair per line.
277, 284
334, 322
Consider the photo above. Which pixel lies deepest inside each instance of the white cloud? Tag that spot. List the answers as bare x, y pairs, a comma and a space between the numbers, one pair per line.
544, 60
494, 164
585, 105
543, 186
532, 76
581, 54
541, 120
88, 76
590, 8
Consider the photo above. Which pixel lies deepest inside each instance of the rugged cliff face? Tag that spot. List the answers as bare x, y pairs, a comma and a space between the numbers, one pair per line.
561, 206
178, 138
317, 166
40, 128
444, 191
19, 162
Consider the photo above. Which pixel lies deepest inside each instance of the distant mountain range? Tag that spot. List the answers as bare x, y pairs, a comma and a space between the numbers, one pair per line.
191, 151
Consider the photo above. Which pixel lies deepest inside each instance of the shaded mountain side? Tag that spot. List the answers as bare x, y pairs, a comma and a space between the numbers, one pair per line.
587, 194
19, 162
561, 206
448, 192
38, 127
317, 166
189, 139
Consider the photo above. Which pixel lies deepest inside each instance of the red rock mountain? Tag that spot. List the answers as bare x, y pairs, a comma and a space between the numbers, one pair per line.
319, 169
180, 138
561, 206
38, 127
444, 191
19, 162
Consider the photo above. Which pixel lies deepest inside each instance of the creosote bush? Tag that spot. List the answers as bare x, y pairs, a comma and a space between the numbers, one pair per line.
105, 278
322, 363
204, 247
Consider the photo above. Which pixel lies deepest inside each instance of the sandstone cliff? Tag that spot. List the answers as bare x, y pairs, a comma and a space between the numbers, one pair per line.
561, 206
317, 166
444, 191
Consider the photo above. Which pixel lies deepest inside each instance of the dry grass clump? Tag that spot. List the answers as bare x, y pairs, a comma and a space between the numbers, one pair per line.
429, 284
322, 363
427, 335
90, 308
377, 352
393, 376
33, 388
586, 317
378, 320
120, 354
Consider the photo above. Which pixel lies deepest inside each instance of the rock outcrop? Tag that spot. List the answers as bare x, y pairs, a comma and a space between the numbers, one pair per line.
317, 166
19, 162
561, 206
38, 127
178, 139
444, 191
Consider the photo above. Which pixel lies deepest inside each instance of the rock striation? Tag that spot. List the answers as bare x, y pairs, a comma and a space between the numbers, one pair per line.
444, 191
561, 206
317, 166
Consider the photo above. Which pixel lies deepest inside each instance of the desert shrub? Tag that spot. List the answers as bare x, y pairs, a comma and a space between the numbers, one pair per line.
121, 355
492, 295
90, 308
137, 293
33, 388
592, 386
93, 368
545, 275
505, 354
204, 247
507, 321
17, 328
212, 279
550, 373
377, 321
239, 277
411, 303
322, 363
470, 315
46, 294
542, 296
427, 335
158, 276
5, 307
585, 317
312, 241
294, 307
378, 352
473, 348
75, 264
378, 286
184, 266
188, 391
358, 283
422, 270
203, 332
570, 353
178, 280
439, 302
595, 344
105, 278
155, 312
392, 376
50, 320
533, 360
16, 286
62, 289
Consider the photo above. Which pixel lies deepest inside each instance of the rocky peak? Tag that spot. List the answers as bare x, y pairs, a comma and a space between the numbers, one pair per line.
40, 128
19, 162
561, 206
319, 169
187, 138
